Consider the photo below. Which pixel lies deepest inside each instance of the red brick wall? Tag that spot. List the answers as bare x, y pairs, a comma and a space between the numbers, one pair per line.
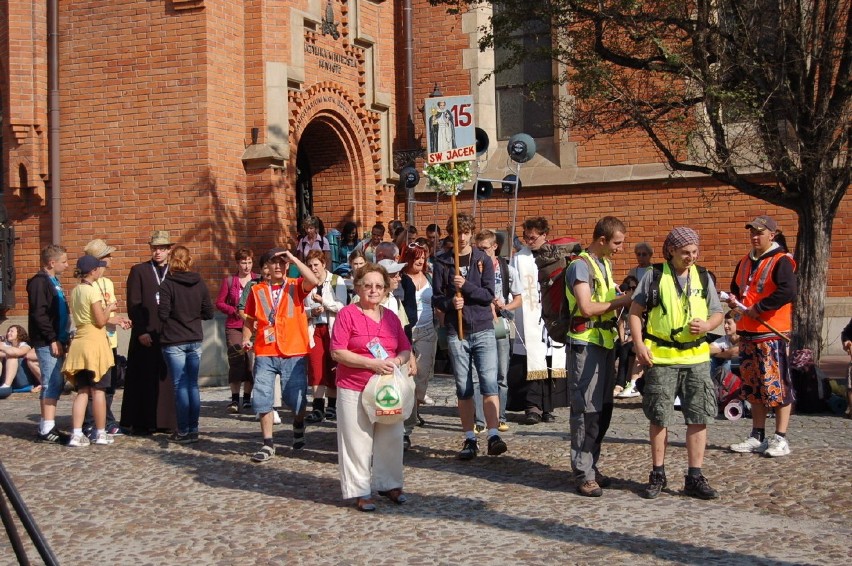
718, 214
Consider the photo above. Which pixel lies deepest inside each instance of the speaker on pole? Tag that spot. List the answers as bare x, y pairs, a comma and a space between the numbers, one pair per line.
521, 148
483, 190
481, 141
509, 182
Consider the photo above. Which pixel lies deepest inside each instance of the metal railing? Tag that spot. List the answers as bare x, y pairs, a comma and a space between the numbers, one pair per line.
26, 519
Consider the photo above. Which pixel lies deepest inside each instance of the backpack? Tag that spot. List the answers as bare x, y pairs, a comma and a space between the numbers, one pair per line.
552, 260
728, 385
653, 299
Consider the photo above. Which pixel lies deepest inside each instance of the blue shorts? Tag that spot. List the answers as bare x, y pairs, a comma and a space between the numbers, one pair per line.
293, 373
477, 350
52, 381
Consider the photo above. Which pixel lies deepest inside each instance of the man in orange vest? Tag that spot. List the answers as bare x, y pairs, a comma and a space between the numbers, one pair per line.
765, 282
281, 345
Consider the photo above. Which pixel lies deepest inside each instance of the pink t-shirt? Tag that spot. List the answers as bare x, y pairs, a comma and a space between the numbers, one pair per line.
353, 330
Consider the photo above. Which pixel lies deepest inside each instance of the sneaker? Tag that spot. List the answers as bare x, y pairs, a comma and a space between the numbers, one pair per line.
777, 447
469, 450
656, 484
115, 429
179, 438
628, 391
314, 417
233, 408
428, 400
247, 404
298, 436
502, 427
193, 437
749, 445
330, 414
79, 440
496, 445
478, 429
53, 436
102, 439
589, 489
276, 418
699, 487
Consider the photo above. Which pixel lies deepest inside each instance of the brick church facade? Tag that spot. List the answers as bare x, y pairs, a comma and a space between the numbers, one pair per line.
223, 121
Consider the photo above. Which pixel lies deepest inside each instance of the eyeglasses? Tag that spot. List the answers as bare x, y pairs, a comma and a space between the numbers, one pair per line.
373, 286
532, 237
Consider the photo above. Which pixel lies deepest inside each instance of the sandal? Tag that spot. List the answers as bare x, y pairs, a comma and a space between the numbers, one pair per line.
365, 504
264, 454
395, 495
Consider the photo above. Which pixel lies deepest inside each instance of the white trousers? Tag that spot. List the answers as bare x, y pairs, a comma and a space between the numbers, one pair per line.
360, 442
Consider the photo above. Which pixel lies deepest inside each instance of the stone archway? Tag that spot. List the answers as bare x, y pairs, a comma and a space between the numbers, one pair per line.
336, 142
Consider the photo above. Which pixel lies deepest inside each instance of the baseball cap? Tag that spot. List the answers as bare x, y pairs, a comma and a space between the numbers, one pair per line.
89, 263
391, 266
763, 223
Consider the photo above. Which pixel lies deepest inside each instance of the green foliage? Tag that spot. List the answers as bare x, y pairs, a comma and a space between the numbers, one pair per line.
448, 178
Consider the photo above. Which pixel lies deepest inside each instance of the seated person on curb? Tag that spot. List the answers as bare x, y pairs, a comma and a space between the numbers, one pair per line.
726, 348
471, 292
682, 306
281, 345
846, 339
20, 365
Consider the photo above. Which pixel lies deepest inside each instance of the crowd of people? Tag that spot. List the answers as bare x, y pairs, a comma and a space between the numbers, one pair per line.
327, 318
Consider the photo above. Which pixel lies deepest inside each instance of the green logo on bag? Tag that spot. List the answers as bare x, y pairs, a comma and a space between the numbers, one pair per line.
387, 397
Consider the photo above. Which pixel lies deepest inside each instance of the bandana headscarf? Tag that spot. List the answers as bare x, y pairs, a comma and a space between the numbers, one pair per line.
678, 238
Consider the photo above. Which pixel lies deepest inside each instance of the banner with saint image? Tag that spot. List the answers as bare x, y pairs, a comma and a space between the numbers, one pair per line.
450, 129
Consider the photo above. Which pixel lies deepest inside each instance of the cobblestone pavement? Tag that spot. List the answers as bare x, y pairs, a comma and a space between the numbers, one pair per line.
145, 501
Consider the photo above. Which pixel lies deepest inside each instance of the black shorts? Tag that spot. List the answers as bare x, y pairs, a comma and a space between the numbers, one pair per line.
86, 378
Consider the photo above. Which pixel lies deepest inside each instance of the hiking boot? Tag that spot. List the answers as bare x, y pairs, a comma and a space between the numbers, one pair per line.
469, 450
233, 407
589, 489
79, 440
496, 446
698, 486
656, 484
777, 447
314, 417
54, 436
750, 445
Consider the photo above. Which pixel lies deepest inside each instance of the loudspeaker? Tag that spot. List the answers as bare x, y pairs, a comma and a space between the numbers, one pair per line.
483, 190
481, 141
521, 148
509, 184
409, 177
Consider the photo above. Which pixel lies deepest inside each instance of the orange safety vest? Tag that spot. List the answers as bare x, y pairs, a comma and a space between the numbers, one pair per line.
290, 327
757, 285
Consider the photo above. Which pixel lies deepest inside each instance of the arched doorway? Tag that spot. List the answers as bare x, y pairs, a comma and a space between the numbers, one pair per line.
326, 177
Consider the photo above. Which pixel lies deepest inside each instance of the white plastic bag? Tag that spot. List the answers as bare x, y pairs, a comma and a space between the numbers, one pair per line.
389, 398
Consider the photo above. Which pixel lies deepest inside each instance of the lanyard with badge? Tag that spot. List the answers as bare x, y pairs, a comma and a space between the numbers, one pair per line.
159, 279
269, 331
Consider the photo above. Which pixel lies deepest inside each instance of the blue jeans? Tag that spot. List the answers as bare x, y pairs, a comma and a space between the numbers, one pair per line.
504, 351
294, 383
479, 351
51, 373
183, 361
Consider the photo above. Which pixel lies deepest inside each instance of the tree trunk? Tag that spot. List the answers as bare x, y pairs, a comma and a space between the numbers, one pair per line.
813, 248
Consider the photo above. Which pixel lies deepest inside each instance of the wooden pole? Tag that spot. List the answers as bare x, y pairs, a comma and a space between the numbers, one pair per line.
456, 257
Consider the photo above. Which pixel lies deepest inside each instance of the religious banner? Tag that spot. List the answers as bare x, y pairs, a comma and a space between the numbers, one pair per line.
450, 129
